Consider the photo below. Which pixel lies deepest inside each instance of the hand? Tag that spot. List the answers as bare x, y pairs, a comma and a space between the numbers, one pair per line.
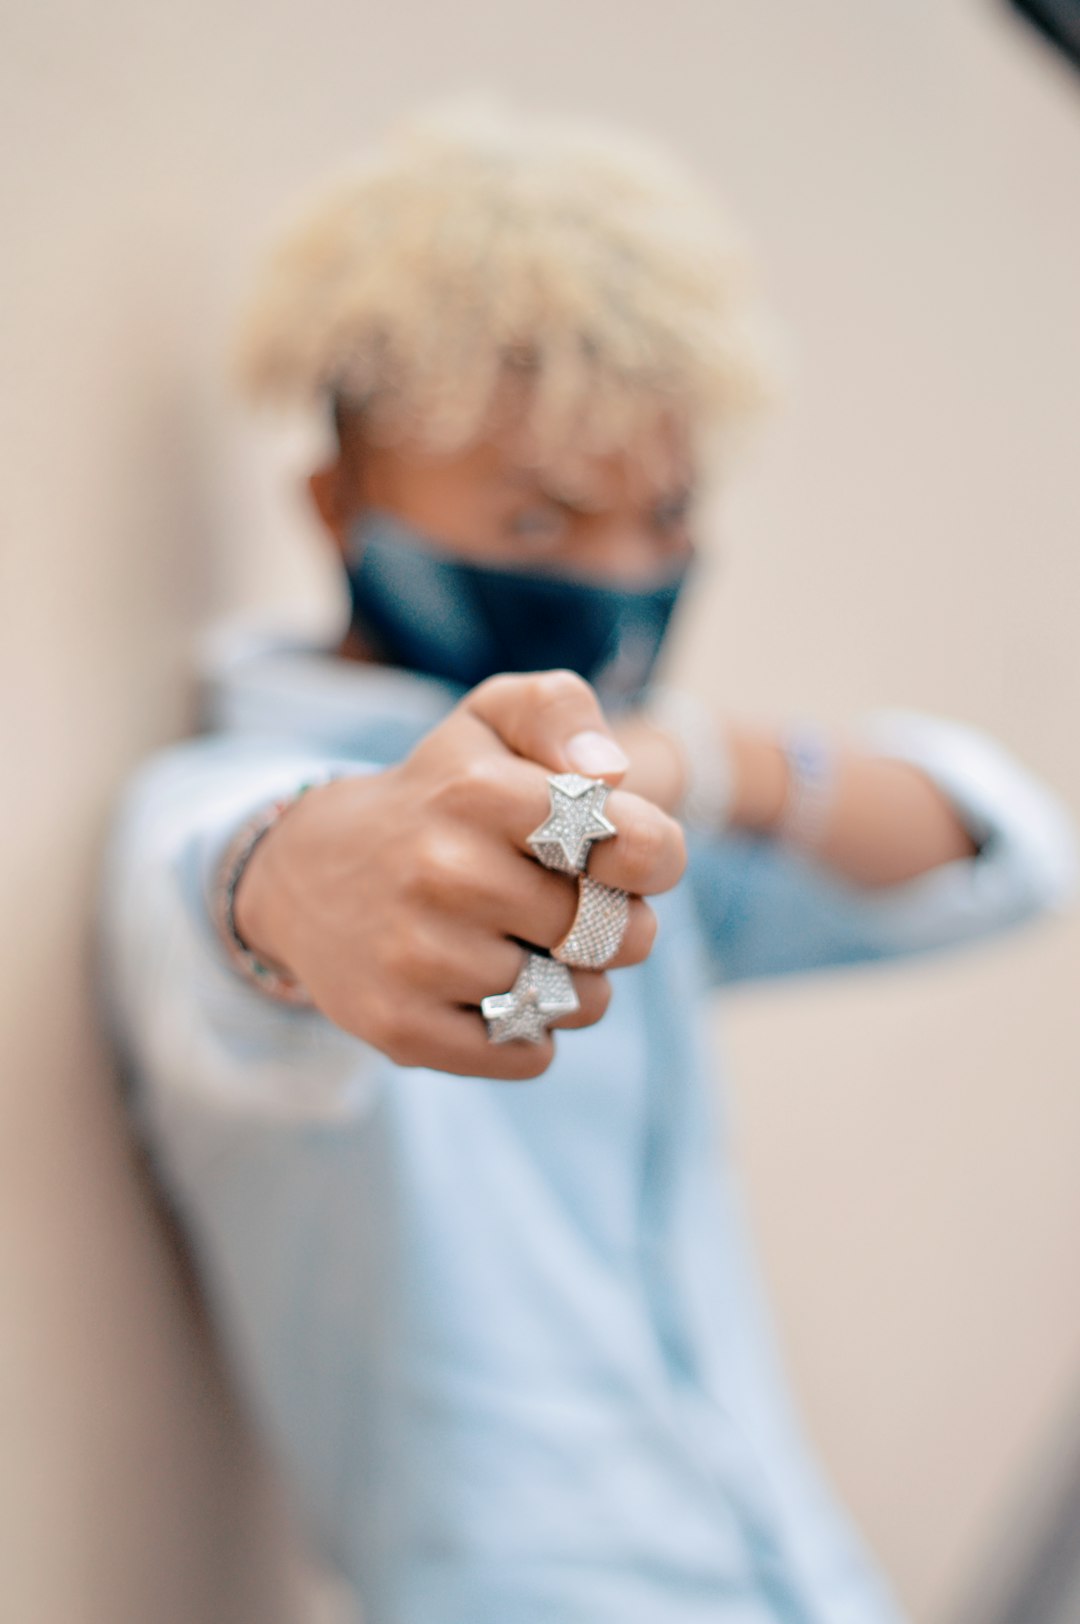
394, 897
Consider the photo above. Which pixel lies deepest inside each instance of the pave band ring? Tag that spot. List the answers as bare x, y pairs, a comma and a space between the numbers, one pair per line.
576, 818
595, 937
542, 992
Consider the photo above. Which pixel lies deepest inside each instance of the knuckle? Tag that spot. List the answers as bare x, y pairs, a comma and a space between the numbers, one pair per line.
471, 786
677, 837
653, 850
643, 935
532, 1063
598, 998
494, 692
437, 868
497, 685
553, 690
642, 837
473, 792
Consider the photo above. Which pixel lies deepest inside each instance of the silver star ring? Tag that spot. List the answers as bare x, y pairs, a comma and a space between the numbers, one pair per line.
541, 993
575, 820
595, 937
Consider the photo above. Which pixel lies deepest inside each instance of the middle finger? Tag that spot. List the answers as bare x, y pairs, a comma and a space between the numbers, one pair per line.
518, 898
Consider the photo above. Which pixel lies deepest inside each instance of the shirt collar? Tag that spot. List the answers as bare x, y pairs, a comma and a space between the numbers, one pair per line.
258, 677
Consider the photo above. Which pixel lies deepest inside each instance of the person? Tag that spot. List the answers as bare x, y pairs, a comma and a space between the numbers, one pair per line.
407, 952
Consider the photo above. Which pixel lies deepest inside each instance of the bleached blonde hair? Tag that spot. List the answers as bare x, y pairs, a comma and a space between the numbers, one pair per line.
476, 243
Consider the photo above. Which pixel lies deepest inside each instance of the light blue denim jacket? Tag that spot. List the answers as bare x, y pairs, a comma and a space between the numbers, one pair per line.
508, 1339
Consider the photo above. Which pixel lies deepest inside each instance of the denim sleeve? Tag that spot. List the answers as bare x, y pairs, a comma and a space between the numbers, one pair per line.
768, 910
199, 1049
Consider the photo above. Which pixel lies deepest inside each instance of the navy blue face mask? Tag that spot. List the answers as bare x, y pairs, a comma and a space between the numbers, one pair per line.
419, 606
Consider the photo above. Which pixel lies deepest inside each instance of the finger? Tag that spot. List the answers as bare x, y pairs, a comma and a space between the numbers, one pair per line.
445, 1037
510, 895
594, 995
451, 1038
519, 898
503, 794
480, 964
458, 963
551, 717
647, 854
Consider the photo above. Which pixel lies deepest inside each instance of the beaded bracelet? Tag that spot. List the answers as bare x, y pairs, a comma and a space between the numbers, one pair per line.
278, 984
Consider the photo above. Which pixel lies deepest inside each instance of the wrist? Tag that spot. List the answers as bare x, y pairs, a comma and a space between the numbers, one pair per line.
247, 902
786, 783
760, 778
256, 908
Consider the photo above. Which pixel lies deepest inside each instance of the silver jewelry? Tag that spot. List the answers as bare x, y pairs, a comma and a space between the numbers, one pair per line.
710, 776
811, 787
542, 992
276, 983
599, 926
575, 820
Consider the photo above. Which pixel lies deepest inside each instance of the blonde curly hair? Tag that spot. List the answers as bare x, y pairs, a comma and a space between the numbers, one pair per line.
475, 243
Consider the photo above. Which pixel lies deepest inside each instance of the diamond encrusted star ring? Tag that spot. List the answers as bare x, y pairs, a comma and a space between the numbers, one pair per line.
541, 993
575, 820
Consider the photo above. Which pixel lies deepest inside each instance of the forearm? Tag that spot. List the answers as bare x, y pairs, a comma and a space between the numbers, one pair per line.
887, 820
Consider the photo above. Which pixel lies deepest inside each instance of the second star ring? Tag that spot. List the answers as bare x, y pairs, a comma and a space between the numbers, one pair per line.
575, 820
541, 993
599, 926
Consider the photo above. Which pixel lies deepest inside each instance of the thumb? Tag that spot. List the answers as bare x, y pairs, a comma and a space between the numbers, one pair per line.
551, 717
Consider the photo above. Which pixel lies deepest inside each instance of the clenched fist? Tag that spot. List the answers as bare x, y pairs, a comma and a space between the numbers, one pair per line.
401, 898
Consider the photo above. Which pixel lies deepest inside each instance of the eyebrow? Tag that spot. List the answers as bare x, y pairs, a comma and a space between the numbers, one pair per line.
577, 501
536, 484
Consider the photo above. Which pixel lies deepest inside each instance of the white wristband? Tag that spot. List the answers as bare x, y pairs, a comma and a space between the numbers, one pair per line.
710, 776
811, 787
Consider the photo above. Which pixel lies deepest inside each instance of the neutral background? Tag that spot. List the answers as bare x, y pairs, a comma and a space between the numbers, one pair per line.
911, 169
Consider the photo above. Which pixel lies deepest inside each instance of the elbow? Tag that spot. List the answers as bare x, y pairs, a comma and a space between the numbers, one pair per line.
1054, 865
1027, 863
1042, 854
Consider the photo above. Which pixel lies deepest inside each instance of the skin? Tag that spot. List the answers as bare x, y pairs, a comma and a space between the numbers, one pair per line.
889, 822
400, 898
606, 518
396, 897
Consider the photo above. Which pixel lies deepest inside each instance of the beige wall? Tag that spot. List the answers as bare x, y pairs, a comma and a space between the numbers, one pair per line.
908, 535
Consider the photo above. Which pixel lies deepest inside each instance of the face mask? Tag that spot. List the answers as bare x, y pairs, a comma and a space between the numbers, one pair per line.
431, 611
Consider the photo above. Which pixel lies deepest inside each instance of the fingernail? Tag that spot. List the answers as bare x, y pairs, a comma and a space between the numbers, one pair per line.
595, 754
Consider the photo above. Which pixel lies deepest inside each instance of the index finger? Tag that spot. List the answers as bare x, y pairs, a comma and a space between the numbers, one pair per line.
550, 717
646, 854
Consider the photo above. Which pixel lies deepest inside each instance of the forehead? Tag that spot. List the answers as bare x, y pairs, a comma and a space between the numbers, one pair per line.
656, 459
504, 460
